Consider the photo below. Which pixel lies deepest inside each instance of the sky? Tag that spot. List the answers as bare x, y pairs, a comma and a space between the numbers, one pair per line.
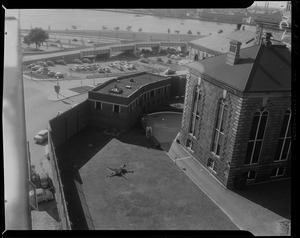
276, 4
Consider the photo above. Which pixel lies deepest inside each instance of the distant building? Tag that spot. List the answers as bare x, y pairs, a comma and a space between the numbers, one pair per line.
237, 113
119, 102
217, 44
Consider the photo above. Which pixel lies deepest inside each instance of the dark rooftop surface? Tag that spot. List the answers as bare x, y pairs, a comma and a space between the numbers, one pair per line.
156, 196
129, 86
259, 69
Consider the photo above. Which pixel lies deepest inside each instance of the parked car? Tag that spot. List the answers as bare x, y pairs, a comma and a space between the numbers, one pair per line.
90, 41
159, 59
52, 44
177, 57
41, 136
94, 67
107, 70
182, 55
83, 68
31, 65
61, 62
51, 74
42, 195
76, 61
44, 180
86, 60
100, 70
50, 63
120, 68
59, 75
34, 68
143, 60
41, 63
169, 72
74, 40
89, 67
172, 56
111, 64
169, 61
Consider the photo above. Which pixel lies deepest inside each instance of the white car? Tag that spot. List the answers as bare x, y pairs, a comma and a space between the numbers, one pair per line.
42, 195
41, 136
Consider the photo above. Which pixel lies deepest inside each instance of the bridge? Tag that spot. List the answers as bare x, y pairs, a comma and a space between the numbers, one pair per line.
103, 50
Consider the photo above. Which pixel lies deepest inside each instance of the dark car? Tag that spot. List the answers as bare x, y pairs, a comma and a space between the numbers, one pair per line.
169, 61
159, 59
61, 62
76, 61
74, 40
85, 60
143, 60
50, 63
51, 74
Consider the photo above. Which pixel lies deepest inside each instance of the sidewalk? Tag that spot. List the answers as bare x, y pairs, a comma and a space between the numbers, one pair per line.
62, 95
246, 214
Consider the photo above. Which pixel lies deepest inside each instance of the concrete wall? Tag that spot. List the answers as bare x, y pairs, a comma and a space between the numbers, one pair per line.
59, 191
69, 123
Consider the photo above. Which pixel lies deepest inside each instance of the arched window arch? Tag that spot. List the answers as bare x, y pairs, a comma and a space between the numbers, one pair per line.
218, 137
257, 132
284, 141
195, 110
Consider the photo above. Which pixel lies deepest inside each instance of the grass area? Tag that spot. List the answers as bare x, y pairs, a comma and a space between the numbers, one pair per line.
158, 195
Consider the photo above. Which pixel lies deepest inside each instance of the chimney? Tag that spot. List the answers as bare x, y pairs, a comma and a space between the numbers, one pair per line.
268, 39
233, 55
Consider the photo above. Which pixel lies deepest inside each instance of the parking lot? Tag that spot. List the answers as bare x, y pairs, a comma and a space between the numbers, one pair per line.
115, 66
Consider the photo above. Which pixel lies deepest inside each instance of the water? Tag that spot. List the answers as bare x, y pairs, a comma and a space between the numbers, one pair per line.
165, 127
62, 19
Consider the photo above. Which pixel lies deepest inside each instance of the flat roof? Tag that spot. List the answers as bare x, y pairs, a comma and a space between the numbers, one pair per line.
129, 84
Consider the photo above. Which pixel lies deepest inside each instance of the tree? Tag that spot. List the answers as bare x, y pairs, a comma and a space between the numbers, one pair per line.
189, 32
128, 28
74, 27
26, 40
38, 36
140, 30
169, 30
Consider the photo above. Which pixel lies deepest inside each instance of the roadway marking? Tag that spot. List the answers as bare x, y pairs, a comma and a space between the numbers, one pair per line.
182, 158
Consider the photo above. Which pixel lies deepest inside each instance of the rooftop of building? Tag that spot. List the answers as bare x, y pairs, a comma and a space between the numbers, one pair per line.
127, 85
220, 42
259, 69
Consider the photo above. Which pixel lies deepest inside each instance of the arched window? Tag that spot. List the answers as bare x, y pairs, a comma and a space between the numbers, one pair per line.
256, 136
218, 137
284, 142
195, 110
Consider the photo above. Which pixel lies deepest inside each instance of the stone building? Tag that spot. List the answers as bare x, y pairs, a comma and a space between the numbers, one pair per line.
237, 113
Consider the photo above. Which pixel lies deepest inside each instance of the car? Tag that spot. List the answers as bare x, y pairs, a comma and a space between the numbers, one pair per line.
41, 136
44, 180
52, 44
100, 70
89, 67
61, 62
31, 66
86, 60
168, 55
169, 72
120, 68
94, 67
159, 59
41, 63
74, 40
59, 75
42, 195
111, 64
90, 41
51, 74
40, 70
143, 60
172, 56
36, 67
182, 55
50, 63
107, 70
169, 61
83, 68
77, 61
177, 57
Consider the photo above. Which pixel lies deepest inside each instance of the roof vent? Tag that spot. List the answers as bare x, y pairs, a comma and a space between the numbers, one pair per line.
233, 54
116, 89
128, 86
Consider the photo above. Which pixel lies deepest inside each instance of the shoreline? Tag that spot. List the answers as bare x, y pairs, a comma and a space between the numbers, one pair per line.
162, 16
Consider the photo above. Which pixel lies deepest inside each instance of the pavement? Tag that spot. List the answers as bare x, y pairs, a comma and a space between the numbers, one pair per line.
244, 213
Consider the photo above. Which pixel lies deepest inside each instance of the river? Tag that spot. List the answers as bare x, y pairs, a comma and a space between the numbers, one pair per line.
84, 19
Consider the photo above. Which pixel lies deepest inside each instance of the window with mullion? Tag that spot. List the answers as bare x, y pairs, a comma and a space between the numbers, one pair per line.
256, 137
195, 113
219, 129
284, 142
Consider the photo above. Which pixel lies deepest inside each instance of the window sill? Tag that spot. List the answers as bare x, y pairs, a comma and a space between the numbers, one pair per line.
278, 161
246, 165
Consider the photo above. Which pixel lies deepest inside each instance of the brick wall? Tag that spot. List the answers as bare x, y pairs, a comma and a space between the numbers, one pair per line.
277, 104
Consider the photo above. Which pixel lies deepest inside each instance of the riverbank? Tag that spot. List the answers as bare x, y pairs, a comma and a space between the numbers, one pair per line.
139, 14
